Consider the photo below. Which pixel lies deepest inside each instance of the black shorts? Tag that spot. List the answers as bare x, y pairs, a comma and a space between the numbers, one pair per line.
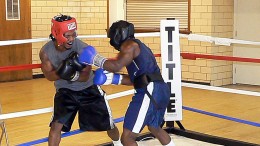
94, 113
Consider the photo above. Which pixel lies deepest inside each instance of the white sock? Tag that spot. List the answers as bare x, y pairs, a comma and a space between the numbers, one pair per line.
170, 143
117, 143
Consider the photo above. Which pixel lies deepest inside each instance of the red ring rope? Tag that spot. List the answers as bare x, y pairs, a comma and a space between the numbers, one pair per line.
191, 56
216, 57
19, 67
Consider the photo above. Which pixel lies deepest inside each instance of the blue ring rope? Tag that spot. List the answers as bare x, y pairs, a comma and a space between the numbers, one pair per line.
118, 120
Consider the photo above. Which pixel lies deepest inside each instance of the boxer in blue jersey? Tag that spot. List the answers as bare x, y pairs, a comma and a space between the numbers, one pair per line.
152, 94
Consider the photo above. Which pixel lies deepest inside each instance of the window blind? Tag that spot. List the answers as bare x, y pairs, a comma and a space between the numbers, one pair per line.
148, 13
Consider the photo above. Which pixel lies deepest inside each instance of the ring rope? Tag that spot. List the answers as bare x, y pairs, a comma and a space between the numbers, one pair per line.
50, 109
194, 56
195, 37
221, 89
19, 67
191, 56
192, 37
24, 41
129, 92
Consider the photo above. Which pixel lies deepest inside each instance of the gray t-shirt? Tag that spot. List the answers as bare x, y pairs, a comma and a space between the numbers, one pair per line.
56, 57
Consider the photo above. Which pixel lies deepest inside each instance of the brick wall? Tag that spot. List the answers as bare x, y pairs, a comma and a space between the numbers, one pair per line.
91, 17
208, 17
212, 18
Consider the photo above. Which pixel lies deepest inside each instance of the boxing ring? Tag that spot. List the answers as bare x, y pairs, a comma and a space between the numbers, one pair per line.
170, 127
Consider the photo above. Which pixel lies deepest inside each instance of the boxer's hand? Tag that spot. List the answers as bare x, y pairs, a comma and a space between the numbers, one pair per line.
103, 77
90, 56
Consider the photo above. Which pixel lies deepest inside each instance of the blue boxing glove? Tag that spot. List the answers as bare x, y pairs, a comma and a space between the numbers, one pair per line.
90, 56
103, 77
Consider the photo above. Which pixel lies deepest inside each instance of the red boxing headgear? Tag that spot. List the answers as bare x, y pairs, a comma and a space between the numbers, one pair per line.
60, 25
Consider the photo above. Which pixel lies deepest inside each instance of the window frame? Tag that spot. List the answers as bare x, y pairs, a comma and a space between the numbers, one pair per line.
12, 12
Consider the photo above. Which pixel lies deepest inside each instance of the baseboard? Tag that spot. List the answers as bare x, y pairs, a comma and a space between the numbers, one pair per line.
38, 76
194, 82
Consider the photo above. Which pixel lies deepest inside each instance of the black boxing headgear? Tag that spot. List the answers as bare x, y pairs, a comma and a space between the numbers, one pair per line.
119, 32
60, 25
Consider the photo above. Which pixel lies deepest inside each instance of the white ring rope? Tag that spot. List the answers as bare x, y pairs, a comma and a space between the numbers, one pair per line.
129, 92
194, 37
221, 89
50, 109
14, 42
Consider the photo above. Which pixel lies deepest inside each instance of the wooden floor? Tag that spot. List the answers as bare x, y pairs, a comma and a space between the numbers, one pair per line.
38, 93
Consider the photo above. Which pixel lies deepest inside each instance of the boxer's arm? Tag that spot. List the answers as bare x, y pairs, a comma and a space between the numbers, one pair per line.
85, 73
128, 52
47, 68
126, 80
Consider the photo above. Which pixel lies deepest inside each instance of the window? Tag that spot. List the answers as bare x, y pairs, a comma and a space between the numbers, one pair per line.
12, 9
146, 14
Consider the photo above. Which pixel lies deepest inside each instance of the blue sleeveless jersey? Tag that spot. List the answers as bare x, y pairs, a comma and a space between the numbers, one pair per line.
141, 110
144, 63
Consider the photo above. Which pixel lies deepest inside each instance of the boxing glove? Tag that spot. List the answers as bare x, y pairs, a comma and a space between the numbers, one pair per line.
75, 61
103, 77
66, 71
89, 55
